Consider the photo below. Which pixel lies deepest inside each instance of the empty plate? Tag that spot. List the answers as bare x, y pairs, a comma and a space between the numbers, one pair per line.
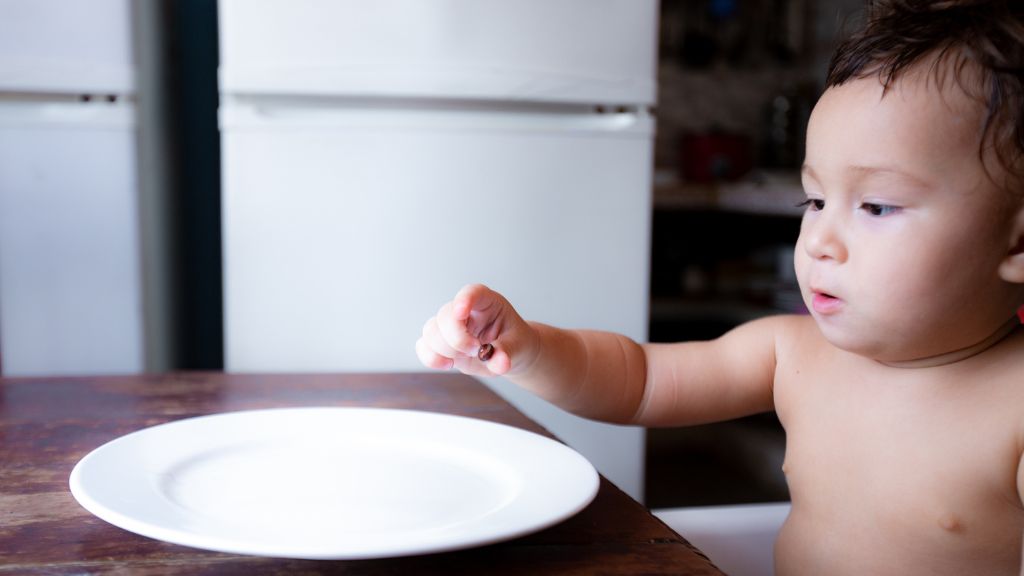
342, 483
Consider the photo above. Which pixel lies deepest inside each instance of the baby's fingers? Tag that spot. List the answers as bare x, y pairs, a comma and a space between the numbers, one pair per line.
453, 331
432, 359
436, 341
481, 309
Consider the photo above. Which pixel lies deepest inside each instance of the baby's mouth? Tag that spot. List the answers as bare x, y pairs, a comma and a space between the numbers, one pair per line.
825, 303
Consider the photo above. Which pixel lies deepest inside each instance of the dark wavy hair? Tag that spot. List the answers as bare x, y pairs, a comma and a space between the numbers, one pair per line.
985, 36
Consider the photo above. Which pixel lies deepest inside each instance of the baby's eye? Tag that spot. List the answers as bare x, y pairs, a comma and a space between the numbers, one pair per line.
812, 204
878, 209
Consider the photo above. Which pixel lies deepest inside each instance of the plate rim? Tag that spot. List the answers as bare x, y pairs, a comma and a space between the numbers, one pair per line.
589, 487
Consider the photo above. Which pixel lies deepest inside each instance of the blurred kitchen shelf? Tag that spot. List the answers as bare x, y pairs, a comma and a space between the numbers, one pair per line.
730, 310
765, 193
732, 462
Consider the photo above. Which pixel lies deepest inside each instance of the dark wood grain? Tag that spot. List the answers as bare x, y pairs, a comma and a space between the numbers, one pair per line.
48, 424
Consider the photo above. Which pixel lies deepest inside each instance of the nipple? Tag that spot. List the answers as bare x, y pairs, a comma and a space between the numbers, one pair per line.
950, 523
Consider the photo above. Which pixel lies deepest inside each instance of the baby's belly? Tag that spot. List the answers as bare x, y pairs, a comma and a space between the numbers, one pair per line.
808, 544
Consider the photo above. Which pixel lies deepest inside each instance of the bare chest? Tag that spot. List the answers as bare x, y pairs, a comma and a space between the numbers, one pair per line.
901, 475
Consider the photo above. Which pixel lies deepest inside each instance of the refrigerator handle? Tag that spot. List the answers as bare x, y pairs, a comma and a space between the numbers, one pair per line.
602, 119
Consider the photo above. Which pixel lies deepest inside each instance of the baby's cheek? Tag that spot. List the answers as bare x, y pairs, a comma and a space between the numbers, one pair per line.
800, 263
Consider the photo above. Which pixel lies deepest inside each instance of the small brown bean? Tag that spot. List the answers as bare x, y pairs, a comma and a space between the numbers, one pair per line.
485, 352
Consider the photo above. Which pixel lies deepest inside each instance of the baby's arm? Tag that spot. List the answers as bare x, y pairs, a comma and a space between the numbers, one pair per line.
606, 376
698, 382
602, 375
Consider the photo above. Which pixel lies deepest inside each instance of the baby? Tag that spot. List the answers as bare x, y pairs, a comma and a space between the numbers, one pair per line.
902, 393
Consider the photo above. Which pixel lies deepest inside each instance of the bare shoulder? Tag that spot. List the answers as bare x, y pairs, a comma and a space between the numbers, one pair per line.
773, 340
791, 326
788, 333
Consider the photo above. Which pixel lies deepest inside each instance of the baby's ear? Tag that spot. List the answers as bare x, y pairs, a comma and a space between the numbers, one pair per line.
1012, 267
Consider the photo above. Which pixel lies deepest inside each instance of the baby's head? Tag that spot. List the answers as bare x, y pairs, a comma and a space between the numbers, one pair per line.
973, 46
913, 242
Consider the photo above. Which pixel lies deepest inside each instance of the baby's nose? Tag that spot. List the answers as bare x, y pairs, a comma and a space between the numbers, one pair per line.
823, 240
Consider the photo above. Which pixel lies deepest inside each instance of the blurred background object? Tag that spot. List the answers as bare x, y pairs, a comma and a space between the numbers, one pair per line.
72, 294
715, 156
109, 187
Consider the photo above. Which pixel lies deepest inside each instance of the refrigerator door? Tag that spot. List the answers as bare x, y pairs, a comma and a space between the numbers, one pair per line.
346, 228
69, 262
595, 51
66, 46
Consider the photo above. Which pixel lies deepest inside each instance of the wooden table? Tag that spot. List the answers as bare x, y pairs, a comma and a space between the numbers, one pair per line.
48, 424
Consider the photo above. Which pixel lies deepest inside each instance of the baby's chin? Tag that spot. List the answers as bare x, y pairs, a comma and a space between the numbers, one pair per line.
876, 344
921, 349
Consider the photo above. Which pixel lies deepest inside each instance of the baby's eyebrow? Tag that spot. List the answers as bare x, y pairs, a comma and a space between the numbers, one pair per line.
863, 172
806, 170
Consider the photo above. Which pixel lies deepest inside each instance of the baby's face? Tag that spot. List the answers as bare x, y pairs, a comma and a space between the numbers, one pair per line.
899, 251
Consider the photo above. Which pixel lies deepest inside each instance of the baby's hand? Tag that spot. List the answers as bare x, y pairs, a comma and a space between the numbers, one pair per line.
475, 333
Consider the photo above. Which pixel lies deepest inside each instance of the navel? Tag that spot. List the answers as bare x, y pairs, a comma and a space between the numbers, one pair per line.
951, 523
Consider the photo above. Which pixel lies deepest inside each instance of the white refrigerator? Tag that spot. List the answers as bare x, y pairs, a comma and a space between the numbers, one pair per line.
71, 287
377, 156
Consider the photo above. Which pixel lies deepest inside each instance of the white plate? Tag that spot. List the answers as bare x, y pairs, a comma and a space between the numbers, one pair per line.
341, 483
